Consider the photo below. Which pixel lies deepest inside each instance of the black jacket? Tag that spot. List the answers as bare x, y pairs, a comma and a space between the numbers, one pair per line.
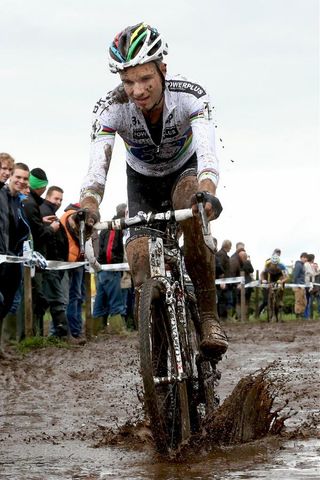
237, 266
57, 247
224, 259
41, 232
111, 246
14, 228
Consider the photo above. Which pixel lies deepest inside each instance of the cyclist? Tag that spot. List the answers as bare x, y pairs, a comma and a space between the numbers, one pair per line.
167, 127
274, 271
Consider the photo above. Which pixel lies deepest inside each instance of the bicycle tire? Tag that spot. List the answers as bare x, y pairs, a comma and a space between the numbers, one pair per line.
270, 307
205, 371
166, 402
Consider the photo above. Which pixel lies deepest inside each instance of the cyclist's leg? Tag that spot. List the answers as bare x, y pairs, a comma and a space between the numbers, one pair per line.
200, 264
138, 259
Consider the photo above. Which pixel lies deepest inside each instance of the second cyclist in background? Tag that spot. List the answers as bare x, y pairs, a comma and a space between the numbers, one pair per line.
274, 271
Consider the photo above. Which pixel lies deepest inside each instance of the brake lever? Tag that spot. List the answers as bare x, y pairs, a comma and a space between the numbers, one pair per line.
205, 225
82, 216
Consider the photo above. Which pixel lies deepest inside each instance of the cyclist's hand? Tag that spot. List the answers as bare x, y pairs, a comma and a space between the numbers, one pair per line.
90, 205
280, 284
212, 205
89, 218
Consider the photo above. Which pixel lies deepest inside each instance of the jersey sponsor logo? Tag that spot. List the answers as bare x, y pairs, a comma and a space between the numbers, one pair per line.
168, 152
139, 134
170, 132
186, 87
103, 104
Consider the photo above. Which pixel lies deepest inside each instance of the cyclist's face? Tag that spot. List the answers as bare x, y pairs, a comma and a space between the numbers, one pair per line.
143, 85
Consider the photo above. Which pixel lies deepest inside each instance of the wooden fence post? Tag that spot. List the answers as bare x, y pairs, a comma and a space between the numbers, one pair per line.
256, 298
28, 315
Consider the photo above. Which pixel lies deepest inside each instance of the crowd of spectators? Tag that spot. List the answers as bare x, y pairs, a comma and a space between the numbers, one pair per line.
28, 218
305, 272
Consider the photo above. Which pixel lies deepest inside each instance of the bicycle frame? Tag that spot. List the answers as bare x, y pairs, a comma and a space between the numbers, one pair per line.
158, 270
168, 323
274, 290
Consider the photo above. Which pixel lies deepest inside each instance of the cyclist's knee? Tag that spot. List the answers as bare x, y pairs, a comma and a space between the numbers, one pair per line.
138, 259
185, 188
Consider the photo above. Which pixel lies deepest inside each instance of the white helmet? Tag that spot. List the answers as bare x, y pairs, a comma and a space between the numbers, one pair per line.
135, 46
275, 259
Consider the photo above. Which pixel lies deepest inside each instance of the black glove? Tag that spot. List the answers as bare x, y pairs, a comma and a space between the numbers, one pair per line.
205, 197
89, 217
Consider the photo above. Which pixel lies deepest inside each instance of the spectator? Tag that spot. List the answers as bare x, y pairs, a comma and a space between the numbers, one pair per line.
109, 302
224, 291
239, 262
14, 321
316, 292
14, 230
274, 271
6, 167
299, 279
70, 222
311, 270
43, 237
57, 248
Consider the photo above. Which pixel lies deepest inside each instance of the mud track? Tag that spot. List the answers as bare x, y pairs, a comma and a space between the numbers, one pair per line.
63, 402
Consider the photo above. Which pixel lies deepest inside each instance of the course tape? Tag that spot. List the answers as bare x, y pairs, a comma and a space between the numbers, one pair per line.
58, 265
116, 267
230, 280
123, 267
52, 264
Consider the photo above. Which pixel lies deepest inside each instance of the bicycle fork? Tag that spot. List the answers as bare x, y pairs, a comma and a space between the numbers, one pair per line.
157, 269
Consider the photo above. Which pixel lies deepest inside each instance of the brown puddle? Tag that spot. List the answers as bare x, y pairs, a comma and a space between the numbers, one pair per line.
64, 413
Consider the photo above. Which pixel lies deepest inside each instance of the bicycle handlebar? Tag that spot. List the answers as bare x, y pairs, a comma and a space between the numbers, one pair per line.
145, 219
148, 219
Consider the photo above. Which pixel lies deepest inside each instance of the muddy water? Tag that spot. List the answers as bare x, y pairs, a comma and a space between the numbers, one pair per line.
61, 411
271, 460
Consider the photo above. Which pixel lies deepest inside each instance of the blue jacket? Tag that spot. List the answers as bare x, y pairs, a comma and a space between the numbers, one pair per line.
298, 273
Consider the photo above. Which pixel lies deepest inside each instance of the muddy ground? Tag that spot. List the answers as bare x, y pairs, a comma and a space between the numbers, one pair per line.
60, 408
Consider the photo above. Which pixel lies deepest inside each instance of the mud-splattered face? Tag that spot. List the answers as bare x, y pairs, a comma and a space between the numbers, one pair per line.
143, 85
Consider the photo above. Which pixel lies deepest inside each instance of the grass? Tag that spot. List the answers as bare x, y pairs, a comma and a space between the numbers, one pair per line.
33, 343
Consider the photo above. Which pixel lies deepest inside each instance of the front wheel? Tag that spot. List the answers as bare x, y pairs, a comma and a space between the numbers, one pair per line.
165, 389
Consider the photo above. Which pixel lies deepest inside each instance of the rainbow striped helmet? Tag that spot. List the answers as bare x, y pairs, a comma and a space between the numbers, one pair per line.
136, 45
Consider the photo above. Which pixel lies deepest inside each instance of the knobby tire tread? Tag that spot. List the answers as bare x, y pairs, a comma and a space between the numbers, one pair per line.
164, 439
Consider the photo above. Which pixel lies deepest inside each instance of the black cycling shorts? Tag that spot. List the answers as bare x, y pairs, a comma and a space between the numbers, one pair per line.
154, 194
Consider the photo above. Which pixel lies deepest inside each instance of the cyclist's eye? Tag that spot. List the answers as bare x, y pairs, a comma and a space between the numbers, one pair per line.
127, 83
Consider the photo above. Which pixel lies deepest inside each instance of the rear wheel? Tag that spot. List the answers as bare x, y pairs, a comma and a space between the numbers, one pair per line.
165, 393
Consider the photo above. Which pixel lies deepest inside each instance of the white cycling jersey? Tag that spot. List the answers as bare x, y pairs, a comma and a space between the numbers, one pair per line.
188, 128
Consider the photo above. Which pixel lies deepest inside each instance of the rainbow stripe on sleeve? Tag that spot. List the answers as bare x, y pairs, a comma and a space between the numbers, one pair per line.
196, 114
107, 131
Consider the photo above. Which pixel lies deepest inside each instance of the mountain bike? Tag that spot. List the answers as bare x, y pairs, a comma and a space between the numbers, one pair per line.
179, 381
275, 295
